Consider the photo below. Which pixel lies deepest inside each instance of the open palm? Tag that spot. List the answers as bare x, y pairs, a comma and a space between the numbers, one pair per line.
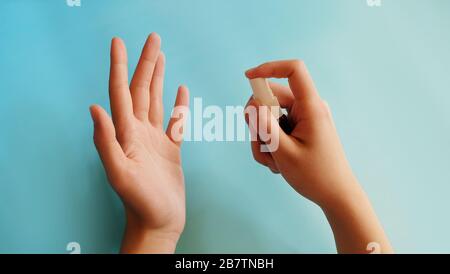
143, 162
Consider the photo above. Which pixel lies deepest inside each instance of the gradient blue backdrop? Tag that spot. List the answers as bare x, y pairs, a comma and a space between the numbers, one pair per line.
384, 71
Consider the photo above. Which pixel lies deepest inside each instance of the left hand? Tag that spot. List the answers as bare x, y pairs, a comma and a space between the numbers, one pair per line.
142, 162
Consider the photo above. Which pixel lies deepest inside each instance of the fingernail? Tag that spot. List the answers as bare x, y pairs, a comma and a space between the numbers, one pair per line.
115, 38
182, 87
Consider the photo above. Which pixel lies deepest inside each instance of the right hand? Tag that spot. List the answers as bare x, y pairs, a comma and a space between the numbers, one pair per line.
311, 158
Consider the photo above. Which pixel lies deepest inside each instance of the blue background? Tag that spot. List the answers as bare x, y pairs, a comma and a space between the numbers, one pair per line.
384, 72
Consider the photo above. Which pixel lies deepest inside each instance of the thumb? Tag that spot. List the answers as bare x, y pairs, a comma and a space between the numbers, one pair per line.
277, 142
105, 140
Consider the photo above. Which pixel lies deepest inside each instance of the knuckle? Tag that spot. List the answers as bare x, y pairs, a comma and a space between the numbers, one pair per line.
142, 84
297, 63
321, 110
113, 86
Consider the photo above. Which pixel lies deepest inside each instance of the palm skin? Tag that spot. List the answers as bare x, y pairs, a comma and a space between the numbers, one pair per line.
152, 183
142, 162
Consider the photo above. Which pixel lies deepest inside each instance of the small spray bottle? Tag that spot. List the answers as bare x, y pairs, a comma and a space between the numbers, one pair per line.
264, 95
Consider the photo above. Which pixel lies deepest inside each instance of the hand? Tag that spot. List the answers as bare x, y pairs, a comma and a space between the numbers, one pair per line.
142, 162
312, 159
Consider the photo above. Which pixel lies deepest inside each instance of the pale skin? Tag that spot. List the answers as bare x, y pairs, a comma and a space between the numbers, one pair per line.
143, 162
312, 159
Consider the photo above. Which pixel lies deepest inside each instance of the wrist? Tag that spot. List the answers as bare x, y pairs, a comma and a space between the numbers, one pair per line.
349, 197
141, 238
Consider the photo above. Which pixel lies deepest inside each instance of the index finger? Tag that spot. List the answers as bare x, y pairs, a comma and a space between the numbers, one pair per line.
300, 80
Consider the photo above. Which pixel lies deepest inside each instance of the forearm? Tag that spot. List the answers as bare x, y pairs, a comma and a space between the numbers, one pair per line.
355, 224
